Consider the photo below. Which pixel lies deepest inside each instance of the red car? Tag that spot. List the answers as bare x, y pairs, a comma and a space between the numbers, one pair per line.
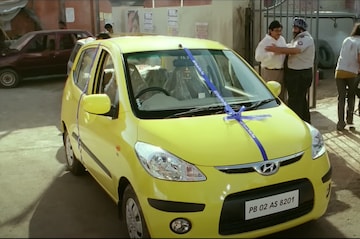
38, 54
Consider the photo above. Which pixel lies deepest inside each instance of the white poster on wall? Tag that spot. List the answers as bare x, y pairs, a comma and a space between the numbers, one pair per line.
173, 22
70, 14
148, 22
202, 30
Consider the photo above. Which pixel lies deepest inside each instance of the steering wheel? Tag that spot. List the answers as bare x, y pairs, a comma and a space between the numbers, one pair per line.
154, 88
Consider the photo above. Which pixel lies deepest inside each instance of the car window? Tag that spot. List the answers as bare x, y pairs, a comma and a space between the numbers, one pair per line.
67, 41
21, 42
83, 68
51, 42
37, 44
107, 83
74, 52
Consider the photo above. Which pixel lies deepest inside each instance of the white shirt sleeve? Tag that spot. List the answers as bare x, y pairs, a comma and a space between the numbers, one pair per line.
260, 53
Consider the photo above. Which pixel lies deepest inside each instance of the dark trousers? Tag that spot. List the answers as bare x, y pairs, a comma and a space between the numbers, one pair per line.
346, 90
357, 91
297, 84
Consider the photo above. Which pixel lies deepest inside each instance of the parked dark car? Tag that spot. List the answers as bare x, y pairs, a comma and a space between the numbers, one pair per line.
38, 54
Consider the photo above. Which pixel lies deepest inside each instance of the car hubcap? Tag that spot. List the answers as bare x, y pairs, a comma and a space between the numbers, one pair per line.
69, 151
133, 219
7, 79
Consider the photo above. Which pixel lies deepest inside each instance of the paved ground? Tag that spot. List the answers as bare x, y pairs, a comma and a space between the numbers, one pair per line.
39, 198
343, 215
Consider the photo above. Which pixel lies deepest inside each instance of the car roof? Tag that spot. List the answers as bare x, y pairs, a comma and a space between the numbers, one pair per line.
58, 30
32, 33
139, 43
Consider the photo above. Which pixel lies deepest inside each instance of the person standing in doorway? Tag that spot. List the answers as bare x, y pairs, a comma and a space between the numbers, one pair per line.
109, 28
299, 72
272, 65
346, 72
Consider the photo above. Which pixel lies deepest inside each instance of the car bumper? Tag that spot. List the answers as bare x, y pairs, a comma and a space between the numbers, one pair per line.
217, 207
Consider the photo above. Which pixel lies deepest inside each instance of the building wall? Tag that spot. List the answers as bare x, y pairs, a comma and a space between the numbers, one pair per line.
45, 14
221, 20
175, 3
215, 21
47, 11
91, 15
20, 25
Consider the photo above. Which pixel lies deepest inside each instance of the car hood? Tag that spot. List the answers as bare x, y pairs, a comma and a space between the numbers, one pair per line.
213, 141
8, 52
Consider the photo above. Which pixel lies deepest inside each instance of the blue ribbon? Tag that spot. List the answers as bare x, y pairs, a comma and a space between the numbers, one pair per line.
231, 114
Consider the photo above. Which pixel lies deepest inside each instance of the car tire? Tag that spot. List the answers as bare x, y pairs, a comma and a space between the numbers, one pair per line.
326, 55
73, 164
132, 216
9, 78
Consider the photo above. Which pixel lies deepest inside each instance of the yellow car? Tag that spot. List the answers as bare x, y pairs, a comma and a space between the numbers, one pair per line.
189, 141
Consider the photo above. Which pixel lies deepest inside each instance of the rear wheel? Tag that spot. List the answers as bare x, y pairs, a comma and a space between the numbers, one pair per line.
9, 78
73, 164
133, 216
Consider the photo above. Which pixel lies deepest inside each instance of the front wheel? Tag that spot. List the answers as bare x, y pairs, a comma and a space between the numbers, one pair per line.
133, 216
73, 164
9, 78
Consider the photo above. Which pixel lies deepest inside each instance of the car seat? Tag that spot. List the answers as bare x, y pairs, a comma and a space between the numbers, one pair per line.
137, 82
156, 78
185, 82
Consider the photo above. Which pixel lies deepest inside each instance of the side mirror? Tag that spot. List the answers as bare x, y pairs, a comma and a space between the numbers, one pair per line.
96, 104
275, 87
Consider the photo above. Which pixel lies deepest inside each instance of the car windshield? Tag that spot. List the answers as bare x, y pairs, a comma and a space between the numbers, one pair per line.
20, 42
169, 84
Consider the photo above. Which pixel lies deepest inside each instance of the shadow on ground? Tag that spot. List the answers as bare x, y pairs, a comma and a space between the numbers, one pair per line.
74, 206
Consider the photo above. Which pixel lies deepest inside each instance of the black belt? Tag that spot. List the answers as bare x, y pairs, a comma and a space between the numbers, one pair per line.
273, 69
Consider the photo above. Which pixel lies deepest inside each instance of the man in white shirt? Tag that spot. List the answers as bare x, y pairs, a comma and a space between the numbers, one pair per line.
272, 65
299, 73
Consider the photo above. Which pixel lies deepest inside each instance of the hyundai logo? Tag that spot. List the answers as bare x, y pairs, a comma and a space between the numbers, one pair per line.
267, 168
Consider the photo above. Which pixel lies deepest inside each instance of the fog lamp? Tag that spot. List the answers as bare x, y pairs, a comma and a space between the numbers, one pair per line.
180, 225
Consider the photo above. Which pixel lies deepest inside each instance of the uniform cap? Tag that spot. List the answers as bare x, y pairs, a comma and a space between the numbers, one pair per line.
300, 23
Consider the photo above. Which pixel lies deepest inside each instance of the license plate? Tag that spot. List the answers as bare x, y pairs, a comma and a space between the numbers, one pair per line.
272, 204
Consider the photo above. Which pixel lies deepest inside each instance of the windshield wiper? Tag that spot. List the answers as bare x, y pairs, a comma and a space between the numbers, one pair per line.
219, 109
257, 104
193, 111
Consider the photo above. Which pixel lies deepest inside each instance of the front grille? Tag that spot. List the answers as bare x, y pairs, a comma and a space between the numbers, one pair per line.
251, 167
232, 220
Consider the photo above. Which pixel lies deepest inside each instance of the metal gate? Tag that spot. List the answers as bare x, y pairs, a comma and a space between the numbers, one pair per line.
262, 12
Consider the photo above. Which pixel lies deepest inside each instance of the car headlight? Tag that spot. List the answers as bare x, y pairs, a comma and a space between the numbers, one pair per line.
317, 141
163, 165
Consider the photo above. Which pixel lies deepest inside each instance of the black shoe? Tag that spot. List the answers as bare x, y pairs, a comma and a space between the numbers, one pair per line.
340, 127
